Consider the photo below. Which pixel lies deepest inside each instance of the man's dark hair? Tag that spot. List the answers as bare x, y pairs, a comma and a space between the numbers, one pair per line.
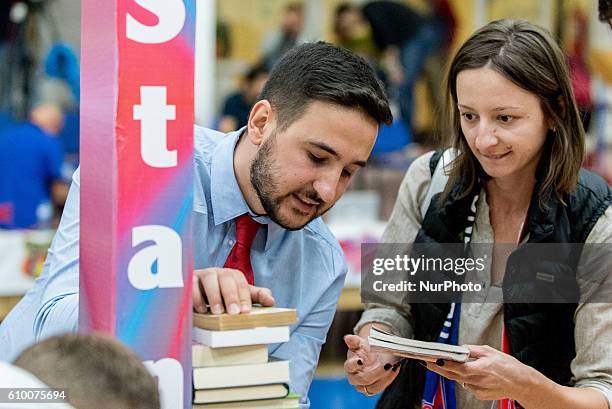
95, 371
327, 73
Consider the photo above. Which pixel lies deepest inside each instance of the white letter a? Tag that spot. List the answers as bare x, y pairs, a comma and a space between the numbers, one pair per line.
166, 252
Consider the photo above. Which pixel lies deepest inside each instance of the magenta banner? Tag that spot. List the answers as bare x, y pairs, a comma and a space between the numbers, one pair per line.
137, 119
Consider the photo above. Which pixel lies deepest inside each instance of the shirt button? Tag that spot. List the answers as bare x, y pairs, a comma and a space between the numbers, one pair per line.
230, 242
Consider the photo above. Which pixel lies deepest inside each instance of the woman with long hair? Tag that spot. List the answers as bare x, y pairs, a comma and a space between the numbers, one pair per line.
514, 179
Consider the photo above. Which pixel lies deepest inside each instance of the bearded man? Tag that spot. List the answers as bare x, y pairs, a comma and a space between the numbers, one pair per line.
259, 193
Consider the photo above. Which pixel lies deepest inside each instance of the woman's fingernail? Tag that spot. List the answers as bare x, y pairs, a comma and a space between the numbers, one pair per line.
387, 366
359, 362
440, 362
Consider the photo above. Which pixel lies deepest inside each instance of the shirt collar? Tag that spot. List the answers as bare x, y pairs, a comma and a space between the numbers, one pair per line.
226, 197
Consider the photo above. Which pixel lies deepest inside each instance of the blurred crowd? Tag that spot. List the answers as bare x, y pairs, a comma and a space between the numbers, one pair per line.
401, 43
409, 48
39, 94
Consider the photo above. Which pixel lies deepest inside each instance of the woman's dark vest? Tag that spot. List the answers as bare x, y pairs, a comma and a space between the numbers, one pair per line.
540, 335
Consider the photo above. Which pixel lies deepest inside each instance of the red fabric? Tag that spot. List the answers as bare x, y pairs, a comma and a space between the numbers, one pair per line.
579, 72
240, 256
506, 403
444, 11
438, 399
6, 213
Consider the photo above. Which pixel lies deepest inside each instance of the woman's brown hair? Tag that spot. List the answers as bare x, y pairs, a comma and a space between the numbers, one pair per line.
528, 56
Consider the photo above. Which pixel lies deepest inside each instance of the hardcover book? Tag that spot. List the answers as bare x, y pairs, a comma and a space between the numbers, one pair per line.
258, 317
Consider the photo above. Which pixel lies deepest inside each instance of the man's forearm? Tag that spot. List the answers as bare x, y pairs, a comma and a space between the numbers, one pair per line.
57, 316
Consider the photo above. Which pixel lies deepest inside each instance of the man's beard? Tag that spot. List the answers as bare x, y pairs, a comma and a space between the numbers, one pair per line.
264, 175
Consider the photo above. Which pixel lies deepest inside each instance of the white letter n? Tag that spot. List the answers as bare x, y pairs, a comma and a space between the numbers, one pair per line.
169, 372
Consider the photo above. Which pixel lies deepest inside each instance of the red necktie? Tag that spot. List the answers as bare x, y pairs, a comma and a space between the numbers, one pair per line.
240, 256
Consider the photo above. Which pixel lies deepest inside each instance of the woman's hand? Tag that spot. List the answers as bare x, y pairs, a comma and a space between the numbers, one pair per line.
491, 375
369, 372
494, 375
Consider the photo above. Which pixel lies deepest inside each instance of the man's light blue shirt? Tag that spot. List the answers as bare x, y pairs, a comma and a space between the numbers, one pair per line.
305, 269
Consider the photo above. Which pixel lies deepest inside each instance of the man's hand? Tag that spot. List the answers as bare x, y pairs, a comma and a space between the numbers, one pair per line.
226, 289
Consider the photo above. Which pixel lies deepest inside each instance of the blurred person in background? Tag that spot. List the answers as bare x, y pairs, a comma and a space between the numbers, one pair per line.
352, 33
30, 169
237, 106
399, 35
605, 11
94, 371
578, 66
287, 36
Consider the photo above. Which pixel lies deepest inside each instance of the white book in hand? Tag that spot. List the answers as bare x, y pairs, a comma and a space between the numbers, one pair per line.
239, 337
382, 341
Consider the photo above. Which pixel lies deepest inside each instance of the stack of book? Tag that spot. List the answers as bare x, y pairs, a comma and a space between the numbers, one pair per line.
231, 366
